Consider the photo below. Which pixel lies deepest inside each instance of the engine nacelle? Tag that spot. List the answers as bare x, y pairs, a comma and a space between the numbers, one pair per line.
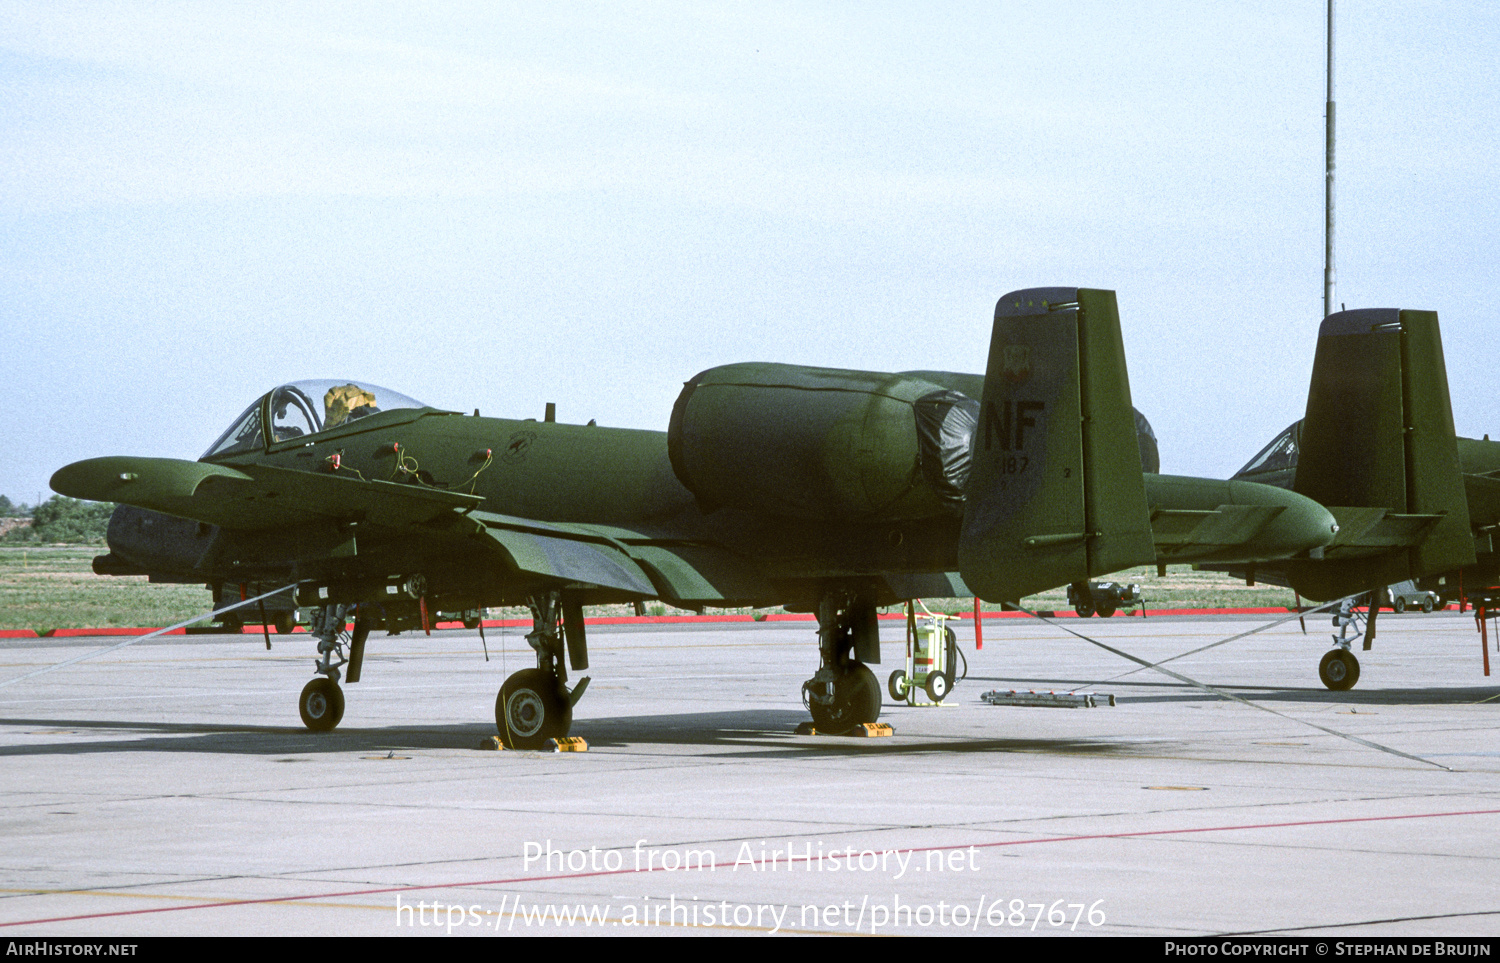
822, 443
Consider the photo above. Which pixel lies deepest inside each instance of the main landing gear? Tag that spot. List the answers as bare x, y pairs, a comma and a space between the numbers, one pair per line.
1339, 669
321, 704
535, 705
844, 692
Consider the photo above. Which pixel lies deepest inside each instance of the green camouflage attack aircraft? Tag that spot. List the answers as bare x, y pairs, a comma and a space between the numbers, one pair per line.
1377, 447
816, 489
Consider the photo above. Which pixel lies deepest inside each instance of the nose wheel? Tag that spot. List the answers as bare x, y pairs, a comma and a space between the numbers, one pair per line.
321, 704
1339, 670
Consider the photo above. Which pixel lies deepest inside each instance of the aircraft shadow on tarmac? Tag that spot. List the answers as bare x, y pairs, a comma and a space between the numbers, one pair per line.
751, 733
1316, 695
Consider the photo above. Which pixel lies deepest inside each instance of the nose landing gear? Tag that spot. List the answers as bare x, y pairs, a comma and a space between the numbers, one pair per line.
1339, 668
321, 704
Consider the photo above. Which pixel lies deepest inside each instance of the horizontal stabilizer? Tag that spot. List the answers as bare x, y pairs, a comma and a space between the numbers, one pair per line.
1206, 520
1371, 531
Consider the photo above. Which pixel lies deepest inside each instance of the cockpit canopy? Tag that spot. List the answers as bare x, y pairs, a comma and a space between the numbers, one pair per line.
1279, 456
305, 408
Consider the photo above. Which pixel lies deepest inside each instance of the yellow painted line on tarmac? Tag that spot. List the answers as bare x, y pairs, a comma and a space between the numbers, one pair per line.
170, 896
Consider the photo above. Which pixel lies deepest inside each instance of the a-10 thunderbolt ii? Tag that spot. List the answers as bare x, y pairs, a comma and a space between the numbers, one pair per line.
816, 489
1377, 447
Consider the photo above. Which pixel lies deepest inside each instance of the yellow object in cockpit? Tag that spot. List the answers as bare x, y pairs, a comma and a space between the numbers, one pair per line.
345, 403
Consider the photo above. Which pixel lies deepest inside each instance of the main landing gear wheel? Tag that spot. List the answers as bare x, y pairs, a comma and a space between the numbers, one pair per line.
898, 685
856, 700
1339, 670
530, 710
321, 704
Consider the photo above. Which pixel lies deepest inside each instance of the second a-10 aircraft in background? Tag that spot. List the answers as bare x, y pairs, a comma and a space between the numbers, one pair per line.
820, 490
1377, 447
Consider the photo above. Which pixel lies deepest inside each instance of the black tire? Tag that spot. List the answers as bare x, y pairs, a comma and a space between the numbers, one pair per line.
938, 686
471, 624
1084, 609
321, 704
285, 622
1106, 609
1339, 670
898, 685
1427, 605
529, 710
1399, 606
232, 624
856, 700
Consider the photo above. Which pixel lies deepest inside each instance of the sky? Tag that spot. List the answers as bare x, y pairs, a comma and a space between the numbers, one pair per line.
497, 206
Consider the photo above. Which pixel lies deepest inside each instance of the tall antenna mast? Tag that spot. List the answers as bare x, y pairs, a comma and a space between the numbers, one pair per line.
1328, 183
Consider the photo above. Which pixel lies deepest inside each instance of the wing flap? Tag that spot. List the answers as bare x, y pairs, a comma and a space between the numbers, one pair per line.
927, 585
570, 559
613, 557
703, 575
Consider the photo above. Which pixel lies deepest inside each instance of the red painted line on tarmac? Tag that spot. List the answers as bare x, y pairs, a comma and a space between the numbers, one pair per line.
1274, 610
317, 897
74, 633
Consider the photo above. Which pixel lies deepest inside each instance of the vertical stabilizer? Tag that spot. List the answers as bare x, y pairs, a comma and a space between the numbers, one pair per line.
1056, 494
1379, 435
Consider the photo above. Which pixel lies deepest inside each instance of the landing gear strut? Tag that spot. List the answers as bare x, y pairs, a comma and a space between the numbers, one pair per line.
535, 705
844, 692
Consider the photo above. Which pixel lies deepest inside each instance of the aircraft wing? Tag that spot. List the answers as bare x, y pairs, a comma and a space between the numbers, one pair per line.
255, 497
683, 573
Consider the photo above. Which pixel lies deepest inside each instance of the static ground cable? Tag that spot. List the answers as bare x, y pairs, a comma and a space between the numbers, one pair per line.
148, 635
1204, 648
1230, 695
